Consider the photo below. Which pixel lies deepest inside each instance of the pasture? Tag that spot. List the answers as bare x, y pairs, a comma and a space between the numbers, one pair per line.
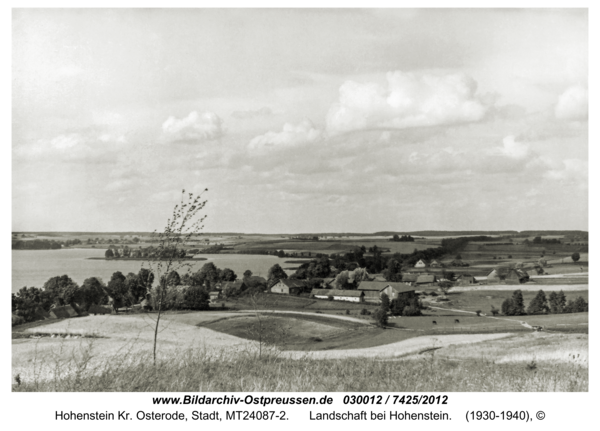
473, 300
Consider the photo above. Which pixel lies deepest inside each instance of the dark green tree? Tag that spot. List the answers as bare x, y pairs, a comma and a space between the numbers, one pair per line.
145, 278
276, 272
393, 271
539, 304
117, 289
196, 298
581, 305
209, 275
514, 306
385, 302
62, 289
557, 302
519, 306
575, 256
93, 292
398, 306
108, 254
381, 318
413, 308
228, 275
173, 278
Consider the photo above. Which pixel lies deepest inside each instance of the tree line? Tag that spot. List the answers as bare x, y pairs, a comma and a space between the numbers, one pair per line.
555, 303
190, 291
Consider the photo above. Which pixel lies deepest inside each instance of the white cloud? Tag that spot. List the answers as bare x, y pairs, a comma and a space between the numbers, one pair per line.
410, 100
572, 104
194, 127
291, 136
514, 149
573, 171
73, 146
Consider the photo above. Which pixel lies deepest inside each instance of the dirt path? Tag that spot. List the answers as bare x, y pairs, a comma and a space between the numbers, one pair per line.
400, 348
333, 316
523, 323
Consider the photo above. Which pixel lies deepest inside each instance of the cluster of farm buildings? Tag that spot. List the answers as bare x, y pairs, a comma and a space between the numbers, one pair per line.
370, 291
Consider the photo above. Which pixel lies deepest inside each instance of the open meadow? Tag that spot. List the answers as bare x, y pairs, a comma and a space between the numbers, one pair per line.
265, 343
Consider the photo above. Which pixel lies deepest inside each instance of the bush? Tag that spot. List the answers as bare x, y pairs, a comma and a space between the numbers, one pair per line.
17, 320
575, 256
577, 306
381, 318
347, 311
494, 311
330, 298
514, 306
364, 312
196, 298
411, 310
385, 302
478, 312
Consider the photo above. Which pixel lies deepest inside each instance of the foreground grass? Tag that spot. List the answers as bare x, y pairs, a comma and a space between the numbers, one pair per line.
244, 371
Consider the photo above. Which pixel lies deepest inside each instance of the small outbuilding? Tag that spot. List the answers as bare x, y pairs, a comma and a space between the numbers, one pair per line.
399, 290
321, 293
426, 279
493, 277
516, 276
288, 287
465, 280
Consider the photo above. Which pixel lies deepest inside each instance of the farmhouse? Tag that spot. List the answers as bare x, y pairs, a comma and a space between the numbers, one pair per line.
465, 280
493, 277
435, 264
287, 286
398, 290
420, 264
426, 280
234, 285
376, 286
516, 276
373, 290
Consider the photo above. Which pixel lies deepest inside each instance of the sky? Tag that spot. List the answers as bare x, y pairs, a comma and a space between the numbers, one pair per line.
300, 120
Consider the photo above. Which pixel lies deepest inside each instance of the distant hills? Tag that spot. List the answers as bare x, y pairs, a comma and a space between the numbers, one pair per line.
383, 233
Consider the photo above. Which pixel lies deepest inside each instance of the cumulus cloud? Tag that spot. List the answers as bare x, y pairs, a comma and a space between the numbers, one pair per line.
291, 136
572, 171
73, 146
410, 100
572, 104
194, 127
514, 149
243, 115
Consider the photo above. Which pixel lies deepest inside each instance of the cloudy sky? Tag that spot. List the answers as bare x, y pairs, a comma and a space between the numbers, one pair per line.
300, 120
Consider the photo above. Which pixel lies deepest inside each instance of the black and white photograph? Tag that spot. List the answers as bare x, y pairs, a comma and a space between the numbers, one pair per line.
291, 200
